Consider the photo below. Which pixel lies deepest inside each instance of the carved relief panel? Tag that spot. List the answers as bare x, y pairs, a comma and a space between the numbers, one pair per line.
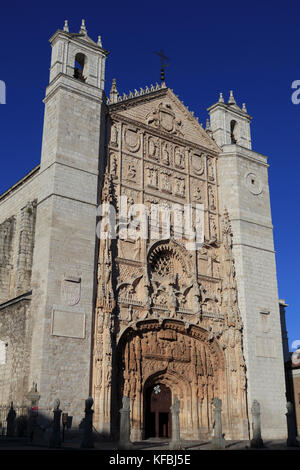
115, 135
163, 117
152, 150
131, 139
131, 170
198, 163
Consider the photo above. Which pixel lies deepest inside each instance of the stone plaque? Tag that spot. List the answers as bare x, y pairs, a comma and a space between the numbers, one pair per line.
69, 324
265, 347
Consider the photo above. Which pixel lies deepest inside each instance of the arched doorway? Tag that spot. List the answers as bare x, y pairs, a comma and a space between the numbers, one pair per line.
158, 400
186, 362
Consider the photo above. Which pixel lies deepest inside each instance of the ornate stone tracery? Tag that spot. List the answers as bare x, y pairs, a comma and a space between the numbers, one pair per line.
164, 314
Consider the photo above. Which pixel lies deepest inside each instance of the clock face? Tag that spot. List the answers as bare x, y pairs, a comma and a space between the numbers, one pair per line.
253, 183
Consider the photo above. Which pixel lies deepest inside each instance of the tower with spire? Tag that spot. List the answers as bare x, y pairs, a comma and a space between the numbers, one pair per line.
244, 193
72, 158
109, 318
230, 123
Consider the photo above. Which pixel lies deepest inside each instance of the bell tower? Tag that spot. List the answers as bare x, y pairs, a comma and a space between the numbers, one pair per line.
230, 124
244, 193
64, 255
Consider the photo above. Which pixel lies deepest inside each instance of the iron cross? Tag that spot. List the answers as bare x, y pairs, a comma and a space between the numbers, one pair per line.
163, 64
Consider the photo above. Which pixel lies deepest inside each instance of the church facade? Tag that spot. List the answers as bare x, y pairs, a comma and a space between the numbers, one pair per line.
146, 317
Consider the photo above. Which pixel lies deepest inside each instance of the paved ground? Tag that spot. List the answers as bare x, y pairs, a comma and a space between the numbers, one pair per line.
149, 445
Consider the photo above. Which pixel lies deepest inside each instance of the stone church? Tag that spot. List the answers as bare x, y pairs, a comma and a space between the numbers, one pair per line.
83, 315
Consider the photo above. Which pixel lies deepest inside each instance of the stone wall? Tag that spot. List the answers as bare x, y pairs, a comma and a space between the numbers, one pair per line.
7, 229
17, 228
296, 392
15, 337
244, 190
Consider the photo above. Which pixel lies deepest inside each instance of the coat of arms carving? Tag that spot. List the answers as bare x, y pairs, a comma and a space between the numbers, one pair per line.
71, 290
163, 117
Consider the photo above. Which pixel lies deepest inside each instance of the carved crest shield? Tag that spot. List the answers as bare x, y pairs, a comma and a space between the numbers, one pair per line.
166, 120
71, 290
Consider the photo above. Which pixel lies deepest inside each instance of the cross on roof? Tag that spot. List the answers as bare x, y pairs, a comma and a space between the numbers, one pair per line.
163, 64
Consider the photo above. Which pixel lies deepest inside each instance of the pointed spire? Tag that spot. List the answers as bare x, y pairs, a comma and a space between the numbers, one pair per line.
231, 98
83, 29
244, 107
66, 26
208, 128
99, 42
113, 95
221, 99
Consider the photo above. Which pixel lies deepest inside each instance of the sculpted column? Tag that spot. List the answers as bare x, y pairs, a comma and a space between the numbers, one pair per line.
256, 441
124, 442
218, 441
175, 410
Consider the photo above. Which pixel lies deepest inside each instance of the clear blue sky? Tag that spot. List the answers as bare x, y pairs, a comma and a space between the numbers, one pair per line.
250, 47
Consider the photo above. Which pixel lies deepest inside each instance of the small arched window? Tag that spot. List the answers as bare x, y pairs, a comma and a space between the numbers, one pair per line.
80, 67
234, 132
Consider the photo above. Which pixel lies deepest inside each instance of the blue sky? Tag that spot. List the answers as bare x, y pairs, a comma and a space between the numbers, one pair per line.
251, 48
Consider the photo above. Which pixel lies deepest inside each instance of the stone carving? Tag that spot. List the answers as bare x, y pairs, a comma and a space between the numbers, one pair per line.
71, 290
7, 230
253, 184
213, 228
33, 395
188, 356
198, 164
175, 441
26, 243
152, 176
153, 148
11, 421
218, 441
256, 441
113, 166
114, 135
124, 442
166, 154
132, 196
179, 186
88, 441
132, 139
179, 158
197, 194
55, 439
166, 185
131, 171
210, 170
211, 198
163, 117
165, 314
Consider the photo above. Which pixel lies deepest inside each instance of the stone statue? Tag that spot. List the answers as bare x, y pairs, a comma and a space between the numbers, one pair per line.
55, 439
11, 421
88, 441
